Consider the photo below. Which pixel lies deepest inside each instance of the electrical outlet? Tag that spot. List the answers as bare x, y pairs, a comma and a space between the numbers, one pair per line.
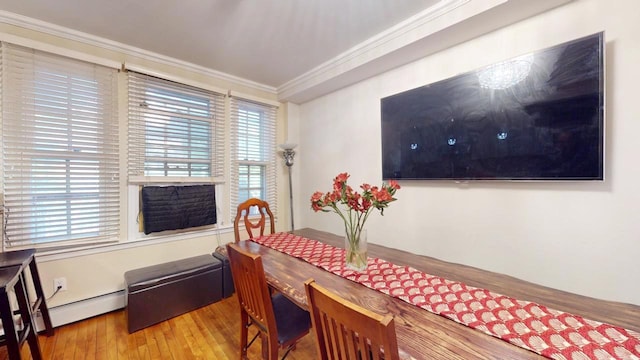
60, 283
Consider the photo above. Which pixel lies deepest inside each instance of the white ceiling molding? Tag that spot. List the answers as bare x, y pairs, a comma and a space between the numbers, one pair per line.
179, 79
41, 46
70, 34
252, 98
442, 25
448, 23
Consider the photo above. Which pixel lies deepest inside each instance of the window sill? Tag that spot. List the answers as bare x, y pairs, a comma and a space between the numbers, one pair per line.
60, 254
143, 180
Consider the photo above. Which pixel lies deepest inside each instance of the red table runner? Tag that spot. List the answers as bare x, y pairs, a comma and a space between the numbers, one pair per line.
548, 332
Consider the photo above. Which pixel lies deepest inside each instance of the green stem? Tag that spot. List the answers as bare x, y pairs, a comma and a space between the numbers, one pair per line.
353, 225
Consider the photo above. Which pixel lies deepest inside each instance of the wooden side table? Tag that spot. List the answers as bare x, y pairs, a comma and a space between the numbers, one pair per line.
26, 259
14, 337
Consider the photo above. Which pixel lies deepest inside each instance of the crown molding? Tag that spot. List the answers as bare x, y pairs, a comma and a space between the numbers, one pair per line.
92, 40
376, 46
443, 25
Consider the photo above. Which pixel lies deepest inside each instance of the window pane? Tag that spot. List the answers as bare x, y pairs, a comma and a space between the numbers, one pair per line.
251, 182
250, 135
177, 138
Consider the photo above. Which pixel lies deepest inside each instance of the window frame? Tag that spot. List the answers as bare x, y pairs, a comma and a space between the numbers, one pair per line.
253, 121
60, 150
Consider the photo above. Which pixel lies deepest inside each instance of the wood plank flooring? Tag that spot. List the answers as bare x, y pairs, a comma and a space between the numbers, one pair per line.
211, 332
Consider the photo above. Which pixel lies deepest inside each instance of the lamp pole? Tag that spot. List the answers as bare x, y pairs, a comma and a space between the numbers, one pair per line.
287, 154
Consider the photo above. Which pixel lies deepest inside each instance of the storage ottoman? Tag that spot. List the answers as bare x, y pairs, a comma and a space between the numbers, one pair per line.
227, 279
159, 292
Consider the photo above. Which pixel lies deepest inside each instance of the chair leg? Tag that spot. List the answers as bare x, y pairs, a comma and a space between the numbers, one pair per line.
244, 334
269, 348
253, 339
27, 319
273, 349
266, 351
44, 310
11, 338
287, 352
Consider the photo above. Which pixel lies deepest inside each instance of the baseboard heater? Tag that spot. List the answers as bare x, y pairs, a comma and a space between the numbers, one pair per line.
83, 309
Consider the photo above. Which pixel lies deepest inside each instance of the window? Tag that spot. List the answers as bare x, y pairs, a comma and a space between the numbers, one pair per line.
60, 150
253, 153
175, 130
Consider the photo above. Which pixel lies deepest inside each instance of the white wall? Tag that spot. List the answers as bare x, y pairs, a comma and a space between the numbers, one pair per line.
581, 237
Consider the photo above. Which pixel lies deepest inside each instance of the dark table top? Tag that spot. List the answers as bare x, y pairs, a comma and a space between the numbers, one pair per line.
424, 335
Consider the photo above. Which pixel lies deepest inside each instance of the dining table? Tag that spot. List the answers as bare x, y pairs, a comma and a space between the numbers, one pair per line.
423, 334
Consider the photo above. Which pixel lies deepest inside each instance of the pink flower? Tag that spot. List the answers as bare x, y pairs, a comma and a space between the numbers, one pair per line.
383, 196
341, 178
316, 201
317, 196
354, 207
394, 184
366, 204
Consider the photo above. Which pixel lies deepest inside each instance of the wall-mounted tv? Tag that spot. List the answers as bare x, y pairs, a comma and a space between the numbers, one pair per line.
538, 116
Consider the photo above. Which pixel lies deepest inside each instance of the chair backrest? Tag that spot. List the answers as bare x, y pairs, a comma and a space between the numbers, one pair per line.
251, 287
243, 212
347, 331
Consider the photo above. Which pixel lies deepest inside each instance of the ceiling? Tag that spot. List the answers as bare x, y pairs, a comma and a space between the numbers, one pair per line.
287, 46
266, 41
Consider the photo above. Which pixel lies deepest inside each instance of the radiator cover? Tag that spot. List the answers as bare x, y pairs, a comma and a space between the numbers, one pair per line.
177, 207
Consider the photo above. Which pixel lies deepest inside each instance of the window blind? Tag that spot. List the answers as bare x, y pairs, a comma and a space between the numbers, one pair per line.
253, 149
175, 130
60, 156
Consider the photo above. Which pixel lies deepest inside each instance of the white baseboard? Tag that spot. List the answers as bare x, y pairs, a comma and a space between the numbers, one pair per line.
84, 309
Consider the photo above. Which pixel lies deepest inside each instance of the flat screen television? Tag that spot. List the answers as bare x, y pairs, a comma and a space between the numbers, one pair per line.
538, 116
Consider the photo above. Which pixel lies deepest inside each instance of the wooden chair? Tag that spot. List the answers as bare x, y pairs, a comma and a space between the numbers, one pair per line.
346, 331
243, 212
280, 322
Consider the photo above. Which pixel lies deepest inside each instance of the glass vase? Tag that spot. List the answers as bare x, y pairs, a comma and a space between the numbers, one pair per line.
355, 246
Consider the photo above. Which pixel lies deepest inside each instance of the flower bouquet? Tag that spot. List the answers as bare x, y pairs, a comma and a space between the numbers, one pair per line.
354, 209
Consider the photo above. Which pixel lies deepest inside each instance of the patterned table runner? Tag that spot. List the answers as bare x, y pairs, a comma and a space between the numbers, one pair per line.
548, 332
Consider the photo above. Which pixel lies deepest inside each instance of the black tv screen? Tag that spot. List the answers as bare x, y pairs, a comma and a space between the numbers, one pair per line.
538, 116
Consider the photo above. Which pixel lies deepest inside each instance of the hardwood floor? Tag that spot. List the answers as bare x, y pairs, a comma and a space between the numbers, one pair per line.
211, 332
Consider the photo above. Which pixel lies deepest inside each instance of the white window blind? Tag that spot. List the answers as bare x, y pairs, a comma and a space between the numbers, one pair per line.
253, 152
60, 150
175, 130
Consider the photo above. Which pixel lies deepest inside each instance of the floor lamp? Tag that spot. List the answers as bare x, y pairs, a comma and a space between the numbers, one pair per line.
287, 154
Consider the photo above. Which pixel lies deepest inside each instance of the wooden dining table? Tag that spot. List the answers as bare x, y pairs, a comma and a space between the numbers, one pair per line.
422, 334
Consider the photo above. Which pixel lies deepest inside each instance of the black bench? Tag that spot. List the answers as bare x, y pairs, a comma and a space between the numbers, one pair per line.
159, 292
227, 280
